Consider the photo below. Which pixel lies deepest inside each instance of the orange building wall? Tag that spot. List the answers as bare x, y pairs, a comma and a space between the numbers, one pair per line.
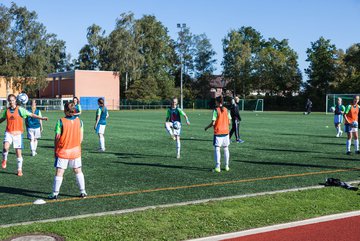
3, 88
98, 84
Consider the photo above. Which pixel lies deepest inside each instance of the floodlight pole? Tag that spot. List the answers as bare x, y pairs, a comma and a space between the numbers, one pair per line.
181, 26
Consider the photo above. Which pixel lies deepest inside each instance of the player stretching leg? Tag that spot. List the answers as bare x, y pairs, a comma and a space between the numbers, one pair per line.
351, 125
14, 130
221, 121
173, 123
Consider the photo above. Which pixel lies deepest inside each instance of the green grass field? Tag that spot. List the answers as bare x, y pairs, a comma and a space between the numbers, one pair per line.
139, 168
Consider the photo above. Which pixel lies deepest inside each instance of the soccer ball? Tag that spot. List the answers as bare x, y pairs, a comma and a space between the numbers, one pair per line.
22, 98
355, 124
176, 125
332, 109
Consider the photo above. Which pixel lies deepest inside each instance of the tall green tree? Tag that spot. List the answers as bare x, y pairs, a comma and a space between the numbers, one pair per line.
31, 47
277, 69
124, 55
89, 55
322, 71
240, 48
351, 61
154, 44
8, 57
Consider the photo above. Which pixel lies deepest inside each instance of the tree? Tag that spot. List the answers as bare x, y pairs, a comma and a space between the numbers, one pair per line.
322, 71
240, 48
277, 69
124, 56
89, 55
154, 44
351, 66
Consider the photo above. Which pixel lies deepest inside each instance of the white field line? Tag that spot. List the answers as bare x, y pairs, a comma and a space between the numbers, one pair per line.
164, 206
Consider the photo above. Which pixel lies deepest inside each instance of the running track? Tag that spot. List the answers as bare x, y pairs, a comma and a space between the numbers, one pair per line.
341, 227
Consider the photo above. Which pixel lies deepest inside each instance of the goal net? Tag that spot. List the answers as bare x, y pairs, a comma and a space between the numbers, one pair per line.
251, 105
331, 100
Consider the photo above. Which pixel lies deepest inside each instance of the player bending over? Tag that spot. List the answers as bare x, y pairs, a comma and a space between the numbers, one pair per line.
351, 125
173, 123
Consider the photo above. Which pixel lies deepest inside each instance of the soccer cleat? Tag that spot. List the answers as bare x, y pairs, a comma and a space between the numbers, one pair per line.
53, 196
173, 137
3, 164
337, 135
348, 153
240, 141
217, 169
227, 168
83, 195
34, 153
19, 173
178, 156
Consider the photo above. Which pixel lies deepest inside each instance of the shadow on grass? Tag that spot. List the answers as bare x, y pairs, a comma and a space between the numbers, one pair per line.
330, 143
203, 169
286, 150
23, 192
195, 139
292, 164
308, 135
129, 155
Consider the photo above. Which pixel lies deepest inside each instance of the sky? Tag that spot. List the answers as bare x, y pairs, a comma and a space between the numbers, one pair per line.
299, 21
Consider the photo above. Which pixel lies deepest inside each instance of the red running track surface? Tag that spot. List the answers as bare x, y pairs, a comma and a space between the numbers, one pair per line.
345, 229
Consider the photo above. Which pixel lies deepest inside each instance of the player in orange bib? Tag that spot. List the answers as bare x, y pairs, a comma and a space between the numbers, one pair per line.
68, 138
14, 129
351, 125
221, 121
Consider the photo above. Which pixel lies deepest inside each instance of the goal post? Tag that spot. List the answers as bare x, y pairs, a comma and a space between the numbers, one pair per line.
251, 105
331, 100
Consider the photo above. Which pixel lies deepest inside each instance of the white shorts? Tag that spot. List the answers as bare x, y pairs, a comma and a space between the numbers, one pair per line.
64, 163
221, 141
16, 140
33, 133
100, 129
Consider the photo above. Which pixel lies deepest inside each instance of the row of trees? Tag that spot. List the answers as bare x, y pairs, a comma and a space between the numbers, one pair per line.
149, 61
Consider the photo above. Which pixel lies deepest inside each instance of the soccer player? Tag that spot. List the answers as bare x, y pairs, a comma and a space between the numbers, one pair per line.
351, 125
34, 128
77, 107
235, 119
14, 129
172, 115
68, 138
101, 115
338, 116
220, 121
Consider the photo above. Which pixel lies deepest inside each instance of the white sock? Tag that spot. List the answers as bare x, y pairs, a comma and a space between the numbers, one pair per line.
80, 180
57, 184
169, 129
35, 144
19, 163
5, 155
356, 144
102, 142
226, 155
178, 146
348, 145
32, 145
338, 130
217, 156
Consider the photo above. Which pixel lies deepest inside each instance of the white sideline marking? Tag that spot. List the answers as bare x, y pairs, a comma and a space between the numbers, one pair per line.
165, 206
279, 226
